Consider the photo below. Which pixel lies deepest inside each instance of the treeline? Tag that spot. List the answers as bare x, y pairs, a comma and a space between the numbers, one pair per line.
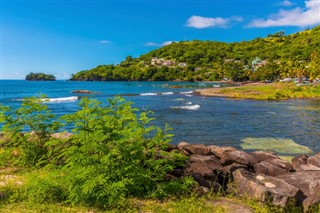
296, 55
40, 77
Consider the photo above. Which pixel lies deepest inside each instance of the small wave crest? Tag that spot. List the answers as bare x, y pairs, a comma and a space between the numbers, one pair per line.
148, 94
190, 107
167, 93
188, 92
63, 99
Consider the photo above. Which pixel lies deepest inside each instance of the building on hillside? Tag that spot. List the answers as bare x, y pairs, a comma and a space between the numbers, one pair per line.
182, 64
257, 63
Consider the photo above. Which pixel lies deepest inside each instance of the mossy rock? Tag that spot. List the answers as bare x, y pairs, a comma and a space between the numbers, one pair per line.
281, 146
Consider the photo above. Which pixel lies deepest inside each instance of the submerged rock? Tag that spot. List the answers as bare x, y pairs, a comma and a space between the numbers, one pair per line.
84, 92
278, 145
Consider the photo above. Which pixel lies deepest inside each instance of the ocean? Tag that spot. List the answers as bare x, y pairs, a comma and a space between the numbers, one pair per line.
195, 119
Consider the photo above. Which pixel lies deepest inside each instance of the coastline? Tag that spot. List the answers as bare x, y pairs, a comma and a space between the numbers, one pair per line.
264, 91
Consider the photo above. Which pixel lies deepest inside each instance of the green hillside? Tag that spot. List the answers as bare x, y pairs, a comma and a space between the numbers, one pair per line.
276, 56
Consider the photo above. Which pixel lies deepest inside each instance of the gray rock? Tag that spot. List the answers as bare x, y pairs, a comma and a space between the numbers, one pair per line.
182, 144
198, 149
263, 155
300, 163
241, 157
280, 163
264, 188
221, 151
267, 168
314, 160
306, 181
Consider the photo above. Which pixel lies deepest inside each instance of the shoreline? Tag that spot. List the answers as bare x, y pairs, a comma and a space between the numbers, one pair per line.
263, 91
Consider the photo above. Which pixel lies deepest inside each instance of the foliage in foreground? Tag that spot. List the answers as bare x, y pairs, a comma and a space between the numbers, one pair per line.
112, 155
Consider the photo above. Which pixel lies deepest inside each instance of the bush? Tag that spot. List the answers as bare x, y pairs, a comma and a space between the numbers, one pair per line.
113, 154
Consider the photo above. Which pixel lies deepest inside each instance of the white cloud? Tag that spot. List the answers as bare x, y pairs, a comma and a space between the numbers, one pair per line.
200, 22
105, 42
154, 44
286, 3
298, 17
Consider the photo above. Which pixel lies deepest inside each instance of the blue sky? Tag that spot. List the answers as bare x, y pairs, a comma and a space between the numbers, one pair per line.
63, 37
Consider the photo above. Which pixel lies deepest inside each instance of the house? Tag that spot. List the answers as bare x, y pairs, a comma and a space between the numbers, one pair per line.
182, 64
257, 63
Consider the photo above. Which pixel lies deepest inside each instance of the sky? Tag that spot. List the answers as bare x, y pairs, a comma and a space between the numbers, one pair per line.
62, 37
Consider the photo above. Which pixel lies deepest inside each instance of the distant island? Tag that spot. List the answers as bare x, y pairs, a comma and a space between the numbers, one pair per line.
40, 77
277, 56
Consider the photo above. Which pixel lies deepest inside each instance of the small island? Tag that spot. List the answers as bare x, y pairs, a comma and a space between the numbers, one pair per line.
40, 77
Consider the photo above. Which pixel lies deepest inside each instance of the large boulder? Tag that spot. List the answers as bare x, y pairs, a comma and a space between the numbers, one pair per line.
221, 151
314, 160
306, 181
264, 188
263, 155
300, 163
280, 163
198, 149
267, 168
241, 157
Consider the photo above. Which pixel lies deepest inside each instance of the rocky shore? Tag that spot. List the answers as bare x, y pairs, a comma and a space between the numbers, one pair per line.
258, 175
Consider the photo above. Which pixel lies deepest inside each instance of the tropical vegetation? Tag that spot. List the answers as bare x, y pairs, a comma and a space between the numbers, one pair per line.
111, 156
279, 56
40, 77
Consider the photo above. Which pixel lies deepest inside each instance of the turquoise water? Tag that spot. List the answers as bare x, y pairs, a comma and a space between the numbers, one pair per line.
194, 119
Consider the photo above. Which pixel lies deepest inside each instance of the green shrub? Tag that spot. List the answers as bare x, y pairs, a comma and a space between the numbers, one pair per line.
28, 149
113, 154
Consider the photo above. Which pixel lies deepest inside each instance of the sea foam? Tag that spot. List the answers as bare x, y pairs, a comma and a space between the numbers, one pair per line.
63, 99
190, 107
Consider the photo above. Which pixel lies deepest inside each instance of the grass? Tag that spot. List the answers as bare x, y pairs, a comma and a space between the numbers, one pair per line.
274, 91
193, 203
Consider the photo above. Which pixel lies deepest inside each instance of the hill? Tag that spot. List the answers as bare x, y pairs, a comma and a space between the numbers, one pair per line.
276, 56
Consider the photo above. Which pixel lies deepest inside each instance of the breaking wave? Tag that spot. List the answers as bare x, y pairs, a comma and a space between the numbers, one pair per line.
64, 99
190, 107
148, 94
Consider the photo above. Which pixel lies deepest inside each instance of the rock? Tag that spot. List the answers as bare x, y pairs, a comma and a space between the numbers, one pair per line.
264, 188
269, 169
198, 149
84, 92
199, 168
306, 181
241, 157
182, 144
211, 184
62, 135
263, 155
171, 147
209, 160
201, 190
233, 167
314, 160
220, 151
280, 163
177, 172
300, 163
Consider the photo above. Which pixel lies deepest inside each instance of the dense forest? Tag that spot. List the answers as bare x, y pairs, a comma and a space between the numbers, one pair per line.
40, 77
274, 57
